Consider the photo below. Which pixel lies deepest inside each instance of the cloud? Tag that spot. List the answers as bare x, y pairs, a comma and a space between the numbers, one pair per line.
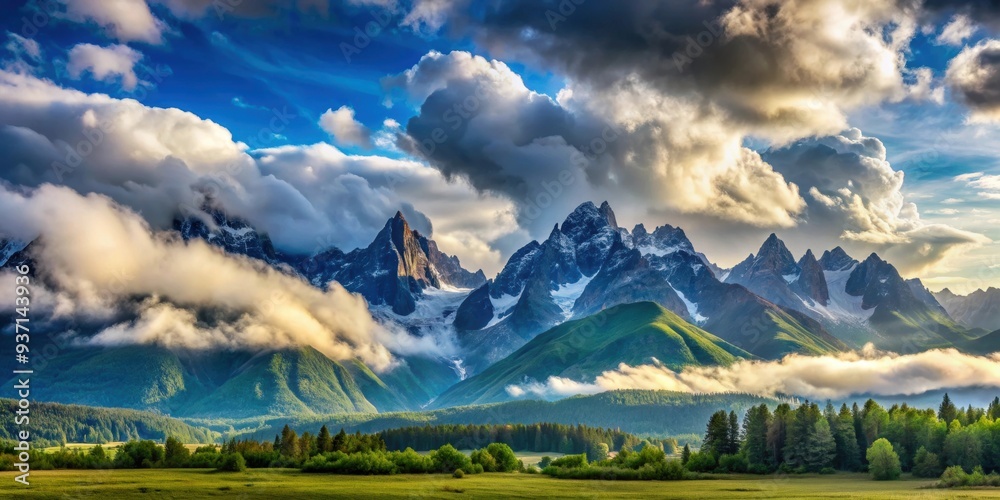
479, 122
684, 86
123, 20
23, 48
856, 195
106, 64
974, 77
957, 30
987, 185
193, 295
165, 163
344, 128
818, 377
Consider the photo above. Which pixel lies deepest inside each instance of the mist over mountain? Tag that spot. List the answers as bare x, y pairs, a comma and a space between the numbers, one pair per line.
468, 338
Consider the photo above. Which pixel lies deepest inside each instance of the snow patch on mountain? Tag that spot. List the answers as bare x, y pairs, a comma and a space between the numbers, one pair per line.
502, 307
692, 308
843, 308
565, 296
658, 251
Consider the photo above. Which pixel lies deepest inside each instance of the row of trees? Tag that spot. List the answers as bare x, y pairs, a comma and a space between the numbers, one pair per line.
496, 457
544, 437
808, 439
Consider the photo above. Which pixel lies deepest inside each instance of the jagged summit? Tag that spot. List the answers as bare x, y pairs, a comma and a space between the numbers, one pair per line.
836, 260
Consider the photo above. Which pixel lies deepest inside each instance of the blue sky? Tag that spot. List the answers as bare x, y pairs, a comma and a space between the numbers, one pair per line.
241, 69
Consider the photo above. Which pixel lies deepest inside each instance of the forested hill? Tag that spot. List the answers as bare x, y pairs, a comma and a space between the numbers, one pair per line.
53, 424
644, 413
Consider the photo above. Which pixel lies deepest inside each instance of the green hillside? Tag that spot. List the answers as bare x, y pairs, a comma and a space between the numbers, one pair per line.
53, 424
987, 344
582, 349
647, 413
230, 384
918, 330
291, 381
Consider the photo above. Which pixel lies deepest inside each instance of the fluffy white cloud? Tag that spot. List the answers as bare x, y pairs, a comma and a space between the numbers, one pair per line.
344, 128
166, 162
855, 195
197, 297
124, 20
957, 30
817, 377
479, 122
114, 62
988, 186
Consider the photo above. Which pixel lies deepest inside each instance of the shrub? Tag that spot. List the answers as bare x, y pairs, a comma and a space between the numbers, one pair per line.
459, 474
447, 459
570, 461
204, 460
411, 462
883, 463
828, 470
138, 454
233, 462
733, 463
544, 462
701, 462
926, 464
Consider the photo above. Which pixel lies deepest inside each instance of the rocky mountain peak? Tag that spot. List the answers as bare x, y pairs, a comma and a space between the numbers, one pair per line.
812, 282
609, 214
836, 260
774, 256
232, 234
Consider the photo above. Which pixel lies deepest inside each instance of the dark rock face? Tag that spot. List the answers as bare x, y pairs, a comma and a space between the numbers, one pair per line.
770, 273
881, 286
836, 260
812, 282
476, 310
393, 270
627, 277
513, 276
591, 232
232, 234
448, 267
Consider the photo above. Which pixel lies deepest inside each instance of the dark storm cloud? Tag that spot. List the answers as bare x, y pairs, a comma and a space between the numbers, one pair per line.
974, 76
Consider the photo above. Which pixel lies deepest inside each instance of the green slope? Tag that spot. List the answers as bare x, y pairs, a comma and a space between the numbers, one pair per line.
138, 377
53, 424
232, 384
291, 381
653, 413
987, 344
918, 330
582, 349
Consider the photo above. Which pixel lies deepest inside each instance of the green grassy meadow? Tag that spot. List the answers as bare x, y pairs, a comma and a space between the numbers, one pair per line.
287, 483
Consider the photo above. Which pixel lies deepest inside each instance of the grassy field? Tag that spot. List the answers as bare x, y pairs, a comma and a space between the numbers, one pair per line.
271, 483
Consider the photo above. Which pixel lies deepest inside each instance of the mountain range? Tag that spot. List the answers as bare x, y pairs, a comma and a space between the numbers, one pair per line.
590, 296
